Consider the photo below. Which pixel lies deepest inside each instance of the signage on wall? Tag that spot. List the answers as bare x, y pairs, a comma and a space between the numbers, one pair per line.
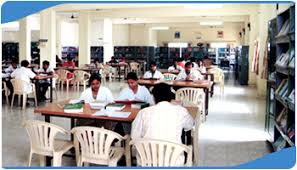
177, 35
220, 34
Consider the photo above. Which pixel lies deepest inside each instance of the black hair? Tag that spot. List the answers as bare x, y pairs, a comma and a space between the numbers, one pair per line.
153, 63
198, 62
193, 59
45, 62
96, 59
14, 60
180, 59
205, 57
188, 64
69, 58
94, 77
132, 75
24, 63
162, 92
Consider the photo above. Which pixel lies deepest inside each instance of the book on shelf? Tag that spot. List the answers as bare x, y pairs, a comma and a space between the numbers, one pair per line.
291, 96
281, 85
283, 60
112, 113
282, 121
73, 108
280, 143
115, 106
292, 63
285, 28
284, 90
291, 132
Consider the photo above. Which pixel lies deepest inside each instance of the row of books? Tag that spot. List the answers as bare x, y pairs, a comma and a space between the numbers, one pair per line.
285, 28
292, 58
291, 97
280, 143
282, 90
291, 132
283, 60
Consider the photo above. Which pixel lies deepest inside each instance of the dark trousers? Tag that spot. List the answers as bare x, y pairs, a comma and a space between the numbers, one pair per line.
9, 86
43, 86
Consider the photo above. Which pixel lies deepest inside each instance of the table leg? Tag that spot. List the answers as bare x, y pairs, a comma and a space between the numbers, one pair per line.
37, 88
51, 91
119, 73
47, 119
206, 100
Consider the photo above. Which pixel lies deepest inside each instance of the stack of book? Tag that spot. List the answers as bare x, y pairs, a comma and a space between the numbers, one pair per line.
139, 105
280, 143
292, 58
283, 60
115, 106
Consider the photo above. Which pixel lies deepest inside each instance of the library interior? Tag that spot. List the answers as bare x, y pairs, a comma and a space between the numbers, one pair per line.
96, 84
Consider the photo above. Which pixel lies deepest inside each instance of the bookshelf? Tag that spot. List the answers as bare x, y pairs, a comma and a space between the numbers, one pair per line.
284, 110
10, 50
162, 54
271, 58
243, 64
97, 52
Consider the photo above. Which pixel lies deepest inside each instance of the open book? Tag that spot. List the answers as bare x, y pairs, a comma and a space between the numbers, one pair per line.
112, 113
98, 105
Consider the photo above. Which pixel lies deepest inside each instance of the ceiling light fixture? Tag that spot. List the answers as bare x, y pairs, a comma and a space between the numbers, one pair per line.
203, 6
160, 28
211, 23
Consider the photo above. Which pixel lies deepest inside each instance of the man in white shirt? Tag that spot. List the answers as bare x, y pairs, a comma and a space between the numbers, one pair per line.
163, 121
45, 70
96, 92
6, 76
189, 73
24, 73
135, 92
153, 73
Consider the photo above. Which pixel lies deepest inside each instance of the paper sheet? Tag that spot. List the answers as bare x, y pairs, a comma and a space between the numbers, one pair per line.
111, 113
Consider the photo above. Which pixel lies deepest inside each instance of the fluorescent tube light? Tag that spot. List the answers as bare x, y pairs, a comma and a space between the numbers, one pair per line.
160, 28
203, 6
211, 23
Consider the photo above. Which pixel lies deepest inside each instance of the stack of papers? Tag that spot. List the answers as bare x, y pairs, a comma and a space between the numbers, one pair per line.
112, 113
98, 105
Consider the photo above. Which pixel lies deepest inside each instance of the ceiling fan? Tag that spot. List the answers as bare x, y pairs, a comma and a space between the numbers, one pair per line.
72, 16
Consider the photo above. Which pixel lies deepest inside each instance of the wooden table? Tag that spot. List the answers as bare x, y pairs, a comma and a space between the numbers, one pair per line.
176, 72
75, 68
56, 110
37, 79
204, 84
210, 73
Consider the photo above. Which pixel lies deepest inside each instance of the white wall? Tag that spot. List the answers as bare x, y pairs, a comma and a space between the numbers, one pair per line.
138, 35
69, 34
190, 34
96, 33
121, 34
13, 36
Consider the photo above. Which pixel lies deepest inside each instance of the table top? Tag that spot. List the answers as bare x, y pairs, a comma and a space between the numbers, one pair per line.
75, 68
166, 71
56, 109
178, 83
43, 77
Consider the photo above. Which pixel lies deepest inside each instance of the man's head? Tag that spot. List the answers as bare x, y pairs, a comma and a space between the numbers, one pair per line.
25, 63
188, 67
69, 58
45, 64
95, 82
14, 63
132, 80
162, 92
153, 66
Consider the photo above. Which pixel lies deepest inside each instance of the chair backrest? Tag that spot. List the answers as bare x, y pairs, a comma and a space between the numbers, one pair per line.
80, 75
190, 95
95, 143
161, 153
42, 135
169, 76
19, 86
219, 75
134, 66
62, 73
4, 88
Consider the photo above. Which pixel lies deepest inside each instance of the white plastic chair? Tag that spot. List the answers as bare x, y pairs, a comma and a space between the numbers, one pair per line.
94, 145
81, 77
6, 92
160, 153
106, 72
42, 141
62, 73
169, 76
19, 88
192, 96
134, 67
219, 78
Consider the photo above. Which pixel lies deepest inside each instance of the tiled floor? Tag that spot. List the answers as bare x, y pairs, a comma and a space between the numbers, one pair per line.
233, 133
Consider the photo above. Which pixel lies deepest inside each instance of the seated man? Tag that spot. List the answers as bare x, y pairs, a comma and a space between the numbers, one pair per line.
24, 73
96, 92
47, 70
164, 121
135, 91
153, 73
175, 67
189, 73
7, 73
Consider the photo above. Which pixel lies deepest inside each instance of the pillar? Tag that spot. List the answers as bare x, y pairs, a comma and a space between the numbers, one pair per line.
84, 25
58, 37
48, 32
25, 40
107, 40
253, 35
